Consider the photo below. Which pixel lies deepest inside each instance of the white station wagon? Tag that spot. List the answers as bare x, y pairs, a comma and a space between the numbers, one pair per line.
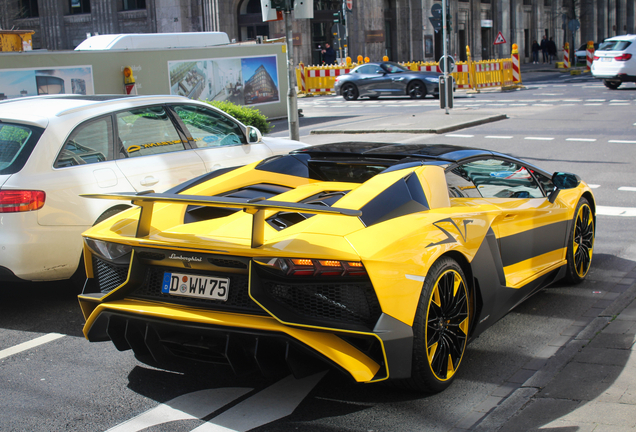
54, 148
615, 61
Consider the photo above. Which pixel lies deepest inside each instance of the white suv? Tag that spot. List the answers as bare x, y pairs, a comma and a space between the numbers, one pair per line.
54, 148
615, 61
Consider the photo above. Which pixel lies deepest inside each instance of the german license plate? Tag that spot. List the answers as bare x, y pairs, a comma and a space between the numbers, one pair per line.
197, 286
606, 59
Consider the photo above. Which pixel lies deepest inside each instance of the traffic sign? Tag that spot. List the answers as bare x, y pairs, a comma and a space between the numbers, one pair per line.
350, 4
436, 22
451, 64
436, 10
499, 39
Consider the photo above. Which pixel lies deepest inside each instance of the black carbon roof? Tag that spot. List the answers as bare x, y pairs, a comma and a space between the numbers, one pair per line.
444, 152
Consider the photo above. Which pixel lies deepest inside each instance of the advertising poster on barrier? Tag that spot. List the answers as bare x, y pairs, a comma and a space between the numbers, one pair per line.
243, 81
16, 83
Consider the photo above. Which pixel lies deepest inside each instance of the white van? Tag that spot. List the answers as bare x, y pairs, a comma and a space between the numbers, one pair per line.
133, 41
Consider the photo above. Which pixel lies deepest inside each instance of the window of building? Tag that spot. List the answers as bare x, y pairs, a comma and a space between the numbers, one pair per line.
133, 5
250, 21
547, 2
527, 2
80, 6
29, 9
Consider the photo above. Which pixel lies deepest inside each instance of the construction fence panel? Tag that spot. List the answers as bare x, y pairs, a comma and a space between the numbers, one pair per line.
488, 73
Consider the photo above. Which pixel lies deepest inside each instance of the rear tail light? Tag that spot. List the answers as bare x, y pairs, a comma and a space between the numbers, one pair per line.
623, 57
314, 267
12, 201
596, 57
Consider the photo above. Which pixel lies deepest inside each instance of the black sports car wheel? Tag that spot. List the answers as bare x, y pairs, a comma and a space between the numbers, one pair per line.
581, 243
416, 90
613, 85
440, 328
350, 92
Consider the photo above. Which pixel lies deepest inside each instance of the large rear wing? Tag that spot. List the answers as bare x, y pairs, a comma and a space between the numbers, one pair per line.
255, 206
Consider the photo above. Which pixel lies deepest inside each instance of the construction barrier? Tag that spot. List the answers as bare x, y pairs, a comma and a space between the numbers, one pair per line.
467, 75
566, 55
589, 54
516, 72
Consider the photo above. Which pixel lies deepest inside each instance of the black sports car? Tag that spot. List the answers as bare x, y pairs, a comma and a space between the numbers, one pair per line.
386, 79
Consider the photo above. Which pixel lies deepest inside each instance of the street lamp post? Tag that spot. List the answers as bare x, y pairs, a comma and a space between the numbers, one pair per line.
292, 103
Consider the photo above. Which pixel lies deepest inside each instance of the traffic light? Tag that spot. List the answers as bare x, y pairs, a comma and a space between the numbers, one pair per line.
449, 21
336, 17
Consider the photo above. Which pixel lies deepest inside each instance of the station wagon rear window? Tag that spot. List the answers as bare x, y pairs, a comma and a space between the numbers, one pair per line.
614, 45
16, 144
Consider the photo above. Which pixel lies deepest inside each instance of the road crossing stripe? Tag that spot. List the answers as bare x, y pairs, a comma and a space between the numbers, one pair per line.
616, 211
627, 188
275, 402
190, 406
498, 137
581, 139
30, 344
622, 142
539, 138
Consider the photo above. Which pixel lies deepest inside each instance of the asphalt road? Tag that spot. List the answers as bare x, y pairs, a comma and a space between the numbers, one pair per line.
52, 379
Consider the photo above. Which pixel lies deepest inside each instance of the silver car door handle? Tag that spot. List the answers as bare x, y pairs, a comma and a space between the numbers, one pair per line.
398, 79
149, 181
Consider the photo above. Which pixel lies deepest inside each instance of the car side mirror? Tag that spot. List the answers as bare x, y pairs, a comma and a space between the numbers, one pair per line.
254, 135
561, 181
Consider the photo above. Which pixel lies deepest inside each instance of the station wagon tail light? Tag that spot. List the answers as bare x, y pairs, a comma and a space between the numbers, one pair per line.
13, 201
314, 267
623, 57
596, 57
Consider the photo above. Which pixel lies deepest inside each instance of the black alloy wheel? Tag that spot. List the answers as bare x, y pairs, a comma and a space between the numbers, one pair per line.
350, 92
612, 85
416, 90
440, 328
581, 243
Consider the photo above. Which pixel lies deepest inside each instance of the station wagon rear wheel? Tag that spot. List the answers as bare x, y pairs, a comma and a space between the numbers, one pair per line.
612, 85
440, 328
580, 242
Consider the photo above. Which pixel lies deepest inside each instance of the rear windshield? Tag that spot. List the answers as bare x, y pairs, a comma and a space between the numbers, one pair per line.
614, 45
16, 144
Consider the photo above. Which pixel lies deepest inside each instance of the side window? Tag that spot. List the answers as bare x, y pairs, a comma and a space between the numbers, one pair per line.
497, 178
546, 182
147, 131
460, 185
89, 143
207, 128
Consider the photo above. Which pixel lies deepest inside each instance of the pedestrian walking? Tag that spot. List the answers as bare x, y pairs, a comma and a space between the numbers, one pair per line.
535, 52
544, 48
552, 50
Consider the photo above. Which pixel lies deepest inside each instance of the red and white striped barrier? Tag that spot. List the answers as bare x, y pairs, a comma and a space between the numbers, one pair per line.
303, 86
516, 74
589, 54
566, 55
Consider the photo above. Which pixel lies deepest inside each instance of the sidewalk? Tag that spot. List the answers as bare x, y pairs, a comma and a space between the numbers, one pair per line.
430, 122
580, 383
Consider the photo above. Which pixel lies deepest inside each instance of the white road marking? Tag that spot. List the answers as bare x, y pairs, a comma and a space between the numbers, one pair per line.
30, 344
593, 104
195, 405
542, 104
539, 138
571, 100
499, 136
275, 402
581, 139
622, 142
594, 100
594, 186
620, 104
616, 211
459, 136
627, 188
519, 104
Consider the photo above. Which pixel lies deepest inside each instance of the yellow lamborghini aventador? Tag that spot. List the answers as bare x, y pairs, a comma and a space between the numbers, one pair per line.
381, 260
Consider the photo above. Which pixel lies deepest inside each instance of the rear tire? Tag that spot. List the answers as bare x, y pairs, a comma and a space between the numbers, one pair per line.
440, 328
580, 243
612, 85
350, 92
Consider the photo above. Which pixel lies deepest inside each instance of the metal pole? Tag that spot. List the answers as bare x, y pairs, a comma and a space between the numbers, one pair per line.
444, 36
292, 103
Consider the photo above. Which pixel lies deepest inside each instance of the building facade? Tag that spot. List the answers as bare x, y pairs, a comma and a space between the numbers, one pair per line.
399, 29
